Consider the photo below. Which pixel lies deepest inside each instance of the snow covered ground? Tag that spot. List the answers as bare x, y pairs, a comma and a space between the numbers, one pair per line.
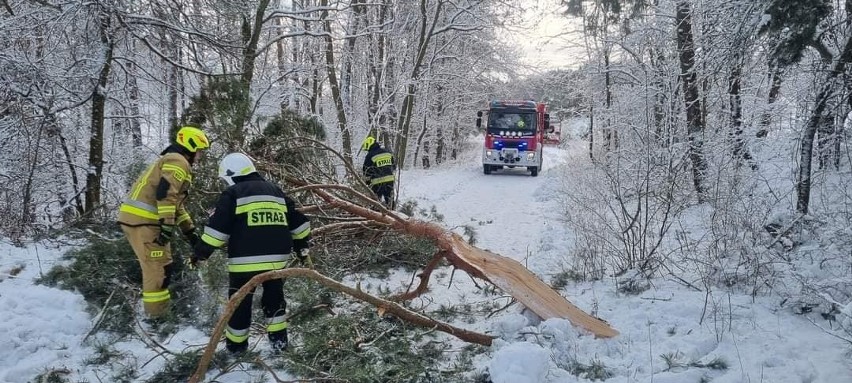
757, 340
514, 215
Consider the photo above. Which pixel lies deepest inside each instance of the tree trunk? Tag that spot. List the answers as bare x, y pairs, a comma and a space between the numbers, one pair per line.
839, 138
377, 66
825, 141
172, 85
454, 153
307, 47
694, 122
591, 131
387, 116
803, 178
439, 127
96, 127
609, 138
173, 90
404, 124
741, 152
287, 82
135, 126
335, 85
356, 23
660, 96
314, 78
316, 89
425, 36
774, 91
27, 210
423, 144
251, 30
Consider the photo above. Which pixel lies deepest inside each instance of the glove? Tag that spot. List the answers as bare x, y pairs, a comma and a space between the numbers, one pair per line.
166, 233
304, 258
190, 262
191, 237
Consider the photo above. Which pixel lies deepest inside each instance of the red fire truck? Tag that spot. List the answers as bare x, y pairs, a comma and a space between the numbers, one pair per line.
513, 134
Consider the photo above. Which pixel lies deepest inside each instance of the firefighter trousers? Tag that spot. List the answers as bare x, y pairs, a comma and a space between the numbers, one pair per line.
385, 193
273, 304
156, 264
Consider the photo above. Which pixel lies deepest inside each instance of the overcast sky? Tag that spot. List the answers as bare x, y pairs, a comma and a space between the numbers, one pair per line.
548, 39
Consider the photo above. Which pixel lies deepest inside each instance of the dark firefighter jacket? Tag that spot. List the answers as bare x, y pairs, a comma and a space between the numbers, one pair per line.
378, 165
158, 195
258, 222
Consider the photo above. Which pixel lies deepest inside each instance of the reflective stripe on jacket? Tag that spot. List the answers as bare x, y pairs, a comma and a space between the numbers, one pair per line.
159, 193
258, 222
379, 166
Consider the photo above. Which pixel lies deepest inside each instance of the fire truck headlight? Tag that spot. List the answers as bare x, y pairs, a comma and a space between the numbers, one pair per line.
488, 153
531, 156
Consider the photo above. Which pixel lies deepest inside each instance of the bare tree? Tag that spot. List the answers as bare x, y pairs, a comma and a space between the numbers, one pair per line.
96, 129
694, 120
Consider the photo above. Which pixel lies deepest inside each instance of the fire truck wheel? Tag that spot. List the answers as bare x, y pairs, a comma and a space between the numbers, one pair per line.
534, 171
486, 169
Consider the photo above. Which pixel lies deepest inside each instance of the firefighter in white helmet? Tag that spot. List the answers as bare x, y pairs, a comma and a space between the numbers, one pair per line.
263, 230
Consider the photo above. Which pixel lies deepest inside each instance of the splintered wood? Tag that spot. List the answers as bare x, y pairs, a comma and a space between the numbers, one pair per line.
513, 278
503, 272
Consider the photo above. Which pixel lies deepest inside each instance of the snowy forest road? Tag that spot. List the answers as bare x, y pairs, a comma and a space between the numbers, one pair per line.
510, 214
509, 210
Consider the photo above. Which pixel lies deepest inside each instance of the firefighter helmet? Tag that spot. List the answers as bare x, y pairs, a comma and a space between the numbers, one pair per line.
367, 143
192, 138
235, 165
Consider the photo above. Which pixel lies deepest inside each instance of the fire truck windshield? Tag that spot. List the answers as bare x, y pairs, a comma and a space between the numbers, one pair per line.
501, 121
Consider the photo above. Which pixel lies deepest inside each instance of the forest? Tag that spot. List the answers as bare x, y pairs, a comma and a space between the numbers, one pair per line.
734, 111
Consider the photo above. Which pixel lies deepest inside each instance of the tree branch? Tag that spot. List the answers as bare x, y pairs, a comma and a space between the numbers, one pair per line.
381, 304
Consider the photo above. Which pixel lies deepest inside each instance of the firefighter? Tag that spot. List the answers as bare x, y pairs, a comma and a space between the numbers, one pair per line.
379, 170
262, 228
152, 210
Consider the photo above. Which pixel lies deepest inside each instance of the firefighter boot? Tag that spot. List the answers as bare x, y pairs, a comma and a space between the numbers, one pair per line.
236, 348
278, 341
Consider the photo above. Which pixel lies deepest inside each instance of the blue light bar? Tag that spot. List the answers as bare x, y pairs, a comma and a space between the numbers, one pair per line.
512, 103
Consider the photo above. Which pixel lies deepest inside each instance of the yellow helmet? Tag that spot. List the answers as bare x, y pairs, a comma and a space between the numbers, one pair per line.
192, 139
367, 143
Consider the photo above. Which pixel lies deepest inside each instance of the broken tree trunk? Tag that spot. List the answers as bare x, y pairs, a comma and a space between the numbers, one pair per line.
505, 273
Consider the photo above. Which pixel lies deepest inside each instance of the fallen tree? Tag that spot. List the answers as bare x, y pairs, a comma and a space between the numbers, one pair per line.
505, 273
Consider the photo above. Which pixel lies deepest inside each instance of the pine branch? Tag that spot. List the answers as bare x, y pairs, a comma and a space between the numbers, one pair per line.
382, 304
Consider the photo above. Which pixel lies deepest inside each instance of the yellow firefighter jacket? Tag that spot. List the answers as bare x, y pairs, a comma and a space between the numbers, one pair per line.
158, 195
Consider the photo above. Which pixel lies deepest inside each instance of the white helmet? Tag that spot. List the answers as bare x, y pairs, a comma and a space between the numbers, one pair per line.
235, 165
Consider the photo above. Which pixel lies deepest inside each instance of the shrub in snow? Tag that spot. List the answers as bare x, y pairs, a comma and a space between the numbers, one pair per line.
108, 276
621, 210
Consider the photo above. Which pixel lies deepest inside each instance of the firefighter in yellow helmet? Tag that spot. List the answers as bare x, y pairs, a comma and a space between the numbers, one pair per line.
379, 168
154, 207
